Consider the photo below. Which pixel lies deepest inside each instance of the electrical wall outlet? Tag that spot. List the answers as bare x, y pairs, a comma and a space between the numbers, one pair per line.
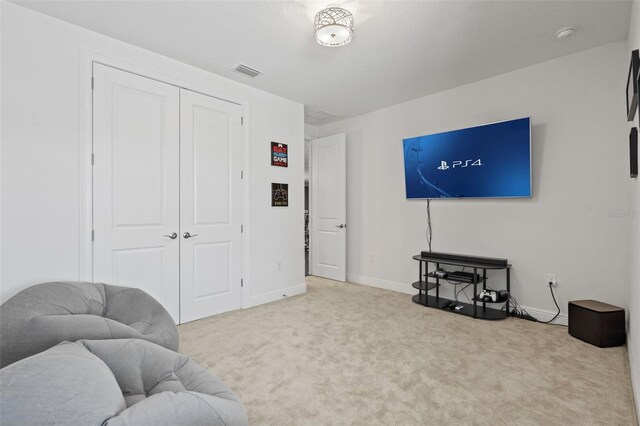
553, 279
372, 259
279, 266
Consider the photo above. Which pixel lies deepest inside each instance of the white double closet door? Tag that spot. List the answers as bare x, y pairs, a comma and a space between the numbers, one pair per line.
167, 193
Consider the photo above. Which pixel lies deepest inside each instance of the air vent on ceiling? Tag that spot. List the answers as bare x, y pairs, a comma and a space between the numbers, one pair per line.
243, 69
318, 117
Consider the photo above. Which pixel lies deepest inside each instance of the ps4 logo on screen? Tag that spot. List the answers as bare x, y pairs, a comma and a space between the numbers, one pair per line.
460, 163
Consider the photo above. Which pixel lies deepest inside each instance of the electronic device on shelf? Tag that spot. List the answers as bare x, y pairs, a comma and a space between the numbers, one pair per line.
488, 296
440, 273
466, 277
494, 296
503, 295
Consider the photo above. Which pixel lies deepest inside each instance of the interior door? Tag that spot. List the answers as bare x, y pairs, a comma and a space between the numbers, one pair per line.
210, 216
136, 184
329, 207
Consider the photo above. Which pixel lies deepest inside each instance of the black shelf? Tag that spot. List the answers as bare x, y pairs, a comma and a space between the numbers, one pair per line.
478, 269
421, 285
467, 310
479, 265
432, 275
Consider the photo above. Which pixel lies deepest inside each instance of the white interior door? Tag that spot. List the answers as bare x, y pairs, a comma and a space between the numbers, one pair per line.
210, 215
329, 207
136, 184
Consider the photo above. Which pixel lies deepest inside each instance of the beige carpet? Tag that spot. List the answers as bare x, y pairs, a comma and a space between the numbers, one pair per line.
347, 354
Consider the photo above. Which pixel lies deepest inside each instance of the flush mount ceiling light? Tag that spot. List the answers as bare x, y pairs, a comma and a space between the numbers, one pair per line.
333, 26
565, 33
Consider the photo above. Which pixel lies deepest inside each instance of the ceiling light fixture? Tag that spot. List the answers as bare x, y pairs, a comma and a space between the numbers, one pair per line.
333, 26
565, 33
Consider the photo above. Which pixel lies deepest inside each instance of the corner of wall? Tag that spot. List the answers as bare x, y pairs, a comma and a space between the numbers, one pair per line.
310, 131
633, 332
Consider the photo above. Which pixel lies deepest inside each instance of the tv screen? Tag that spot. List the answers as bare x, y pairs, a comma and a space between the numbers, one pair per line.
489, 161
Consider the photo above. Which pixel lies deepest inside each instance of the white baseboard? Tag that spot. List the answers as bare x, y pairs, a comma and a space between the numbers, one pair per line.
405, 288
276, 295
384, 284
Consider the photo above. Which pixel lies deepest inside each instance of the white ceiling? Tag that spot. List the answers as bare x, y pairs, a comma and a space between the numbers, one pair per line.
401, 50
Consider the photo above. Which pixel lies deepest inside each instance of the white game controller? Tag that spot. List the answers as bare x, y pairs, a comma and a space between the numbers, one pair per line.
488, 296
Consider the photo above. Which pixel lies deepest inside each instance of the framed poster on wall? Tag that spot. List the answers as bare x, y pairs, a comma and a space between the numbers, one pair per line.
633, 152
279, 195
632, 85
279, 154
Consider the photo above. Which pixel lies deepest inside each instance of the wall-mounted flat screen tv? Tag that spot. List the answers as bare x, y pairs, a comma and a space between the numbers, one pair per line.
488, 161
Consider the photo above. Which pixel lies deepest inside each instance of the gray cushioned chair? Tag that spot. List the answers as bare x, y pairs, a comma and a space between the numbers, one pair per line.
44, 315
112, 383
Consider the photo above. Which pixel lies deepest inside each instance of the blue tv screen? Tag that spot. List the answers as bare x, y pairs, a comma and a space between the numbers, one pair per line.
489, 161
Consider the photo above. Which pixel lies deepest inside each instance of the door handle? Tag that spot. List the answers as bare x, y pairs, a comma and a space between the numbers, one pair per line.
187, 235
342, 225
173, 235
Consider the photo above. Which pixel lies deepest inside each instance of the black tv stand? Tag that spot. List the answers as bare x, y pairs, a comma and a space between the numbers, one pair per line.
428, 280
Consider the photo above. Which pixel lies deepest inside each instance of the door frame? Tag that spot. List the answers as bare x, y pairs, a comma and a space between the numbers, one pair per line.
311, 204
308, 152
85, 151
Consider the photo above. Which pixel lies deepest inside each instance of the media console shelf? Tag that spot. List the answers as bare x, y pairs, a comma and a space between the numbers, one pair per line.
428, 280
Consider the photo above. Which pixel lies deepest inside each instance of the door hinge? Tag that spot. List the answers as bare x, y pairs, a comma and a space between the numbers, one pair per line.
242, 121
93, 235
241, 229
93, 159
92, 83
241, 282
241, 174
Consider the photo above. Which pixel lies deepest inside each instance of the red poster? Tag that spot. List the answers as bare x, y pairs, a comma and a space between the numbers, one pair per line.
279, 154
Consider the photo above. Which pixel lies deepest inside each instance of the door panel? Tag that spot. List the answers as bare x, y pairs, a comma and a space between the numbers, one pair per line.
210, 191
141, 268
329, 207
211, 164
212, 264
137, 138
136, 184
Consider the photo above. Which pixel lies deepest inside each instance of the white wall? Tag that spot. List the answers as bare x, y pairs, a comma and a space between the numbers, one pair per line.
580, 171
42, 142
633, 330
310, 131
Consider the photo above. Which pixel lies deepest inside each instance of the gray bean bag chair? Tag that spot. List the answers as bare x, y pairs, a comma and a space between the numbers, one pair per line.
44, 315
113, 383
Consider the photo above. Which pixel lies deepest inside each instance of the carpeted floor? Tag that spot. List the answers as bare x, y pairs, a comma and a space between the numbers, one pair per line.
346, 354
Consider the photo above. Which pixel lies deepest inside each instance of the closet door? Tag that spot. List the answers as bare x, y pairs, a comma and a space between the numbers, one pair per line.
136, 184
210, 206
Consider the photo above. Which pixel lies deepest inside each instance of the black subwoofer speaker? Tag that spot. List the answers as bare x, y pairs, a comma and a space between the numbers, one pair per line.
597, 323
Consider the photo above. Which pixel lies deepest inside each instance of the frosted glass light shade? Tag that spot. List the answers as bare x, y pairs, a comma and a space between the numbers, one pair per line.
333, 27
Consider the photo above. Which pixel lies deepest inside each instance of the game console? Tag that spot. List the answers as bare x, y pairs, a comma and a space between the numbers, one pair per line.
440, 273
465, 277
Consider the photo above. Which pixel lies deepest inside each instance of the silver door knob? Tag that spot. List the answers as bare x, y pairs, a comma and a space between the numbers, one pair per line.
187, 235
342, 225
173, 235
